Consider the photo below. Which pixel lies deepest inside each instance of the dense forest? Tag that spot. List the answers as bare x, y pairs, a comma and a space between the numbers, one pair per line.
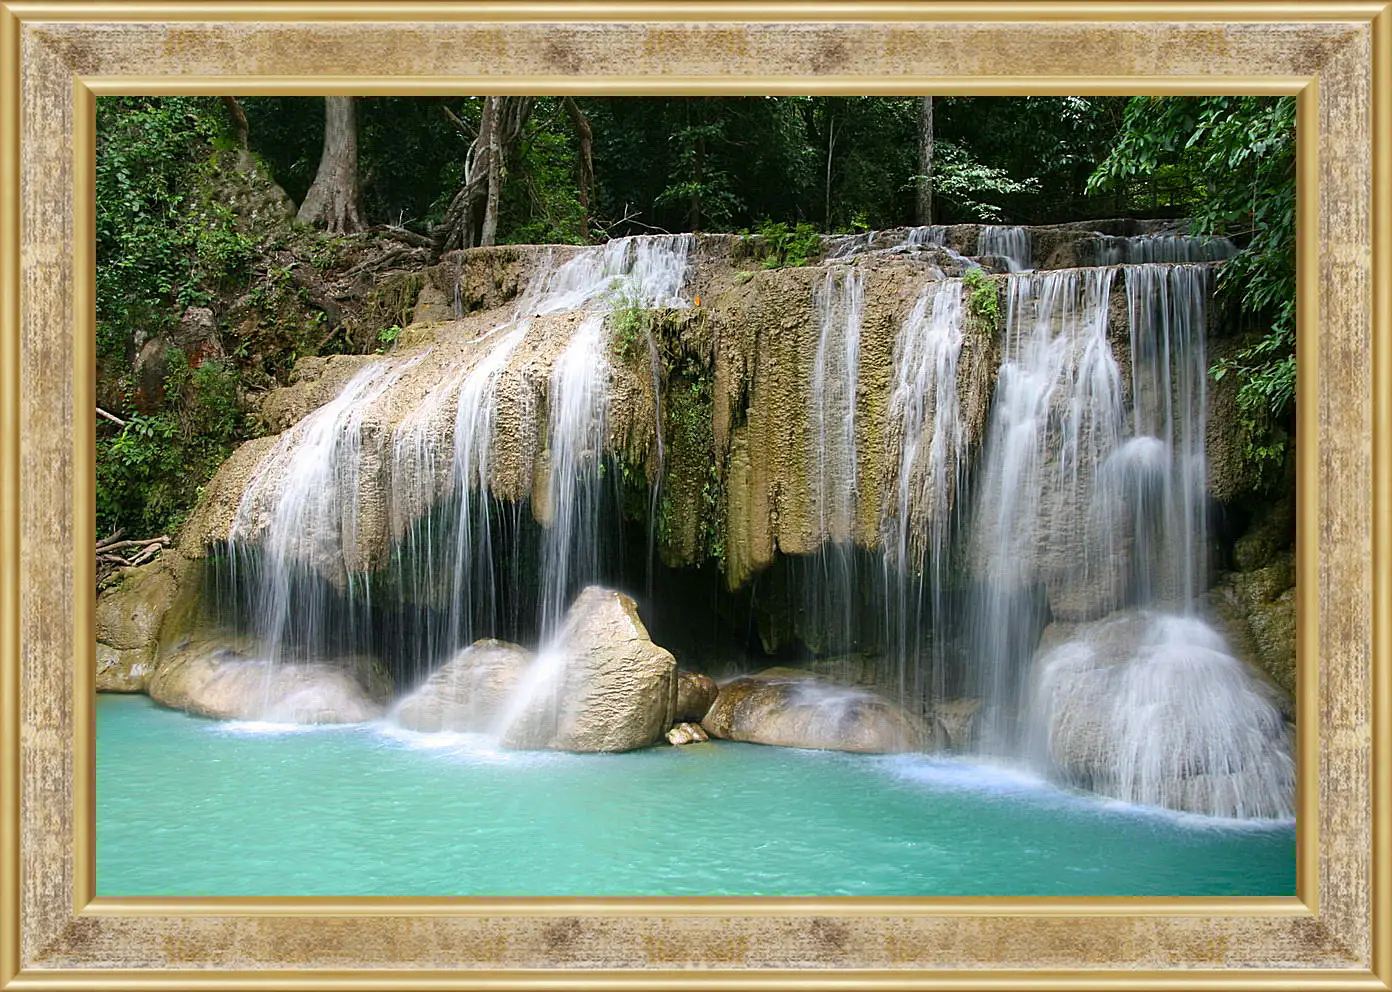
221, 222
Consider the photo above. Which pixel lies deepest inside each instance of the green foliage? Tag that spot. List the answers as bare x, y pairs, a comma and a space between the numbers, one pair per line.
282, 327
386, 337
983, 301
630, 323
785, 247
974, 188
1234, 159
541, 199
163, 240
150, 473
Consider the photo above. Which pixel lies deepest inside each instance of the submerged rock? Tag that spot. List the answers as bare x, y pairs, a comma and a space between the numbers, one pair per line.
792, 708
217, 680
603, 686
1153, 709
687, 733
695, 694
469, 692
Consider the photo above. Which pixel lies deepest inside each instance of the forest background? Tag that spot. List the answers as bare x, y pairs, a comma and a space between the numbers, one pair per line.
232, 220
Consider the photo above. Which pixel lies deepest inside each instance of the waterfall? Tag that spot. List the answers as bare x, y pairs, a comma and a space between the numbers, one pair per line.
1057, 409
925, 422
1167, 313
1010, 243
832, 407
832, 484
296, 507
1151, 708
576, 434
304, 527
934, 235
1148, 248
1087, 506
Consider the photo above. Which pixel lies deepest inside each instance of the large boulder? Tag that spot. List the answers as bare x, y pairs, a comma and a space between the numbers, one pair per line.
130, 614
695, 694
469, 692
1154, 709
792, 708
602, 686
218, 680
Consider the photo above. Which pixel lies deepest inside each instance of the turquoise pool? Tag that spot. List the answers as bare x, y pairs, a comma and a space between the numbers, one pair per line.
187, 806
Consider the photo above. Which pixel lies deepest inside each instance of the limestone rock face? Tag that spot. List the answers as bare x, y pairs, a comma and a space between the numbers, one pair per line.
129, 618
469, 692
695, 694
124, 671
129, 614
791, 708
213, 679
604, 686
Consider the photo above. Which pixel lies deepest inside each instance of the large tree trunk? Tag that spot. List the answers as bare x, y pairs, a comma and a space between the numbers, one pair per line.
500, 126
489, 234
925, 161
586, 138
332, 201
831, 151
239, 125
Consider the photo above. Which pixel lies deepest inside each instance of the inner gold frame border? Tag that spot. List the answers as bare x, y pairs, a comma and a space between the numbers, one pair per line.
1336, 58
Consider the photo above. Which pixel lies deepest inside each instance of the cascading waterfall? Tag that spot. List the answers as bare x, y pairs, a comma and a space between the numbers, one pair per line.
1187, 726
1057, 409
833, 485
1010, 243
577, 402
1147, 248
295, 509
1086, 505
1167, 315
295, 545
925, 421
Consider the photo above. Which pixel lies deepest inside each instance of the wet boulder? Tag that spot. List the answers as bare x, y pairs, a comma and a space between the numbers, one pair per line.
955, 724
1154, 709
222, 681
602, 686
469, 693
695, 694
792, 708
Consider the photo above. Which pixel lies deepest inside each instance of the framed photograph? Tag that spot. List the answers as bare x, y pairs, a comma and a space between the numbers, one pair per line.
695, 495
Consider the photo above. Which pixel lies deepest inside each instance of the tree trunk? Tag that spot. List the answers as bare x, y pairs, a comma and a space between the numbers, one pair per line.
495, 174
586, 138
831, 149
332, 201
500, 126
925, 161
239, 125
239, 121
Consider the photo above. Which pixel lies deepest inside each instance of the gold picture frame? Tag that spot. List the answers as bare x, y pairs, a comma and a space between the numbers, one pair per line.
1336, 58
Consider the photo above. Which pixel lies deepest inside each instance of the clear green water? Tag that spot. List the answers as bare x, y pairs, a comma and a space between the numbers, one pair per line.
193, 807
